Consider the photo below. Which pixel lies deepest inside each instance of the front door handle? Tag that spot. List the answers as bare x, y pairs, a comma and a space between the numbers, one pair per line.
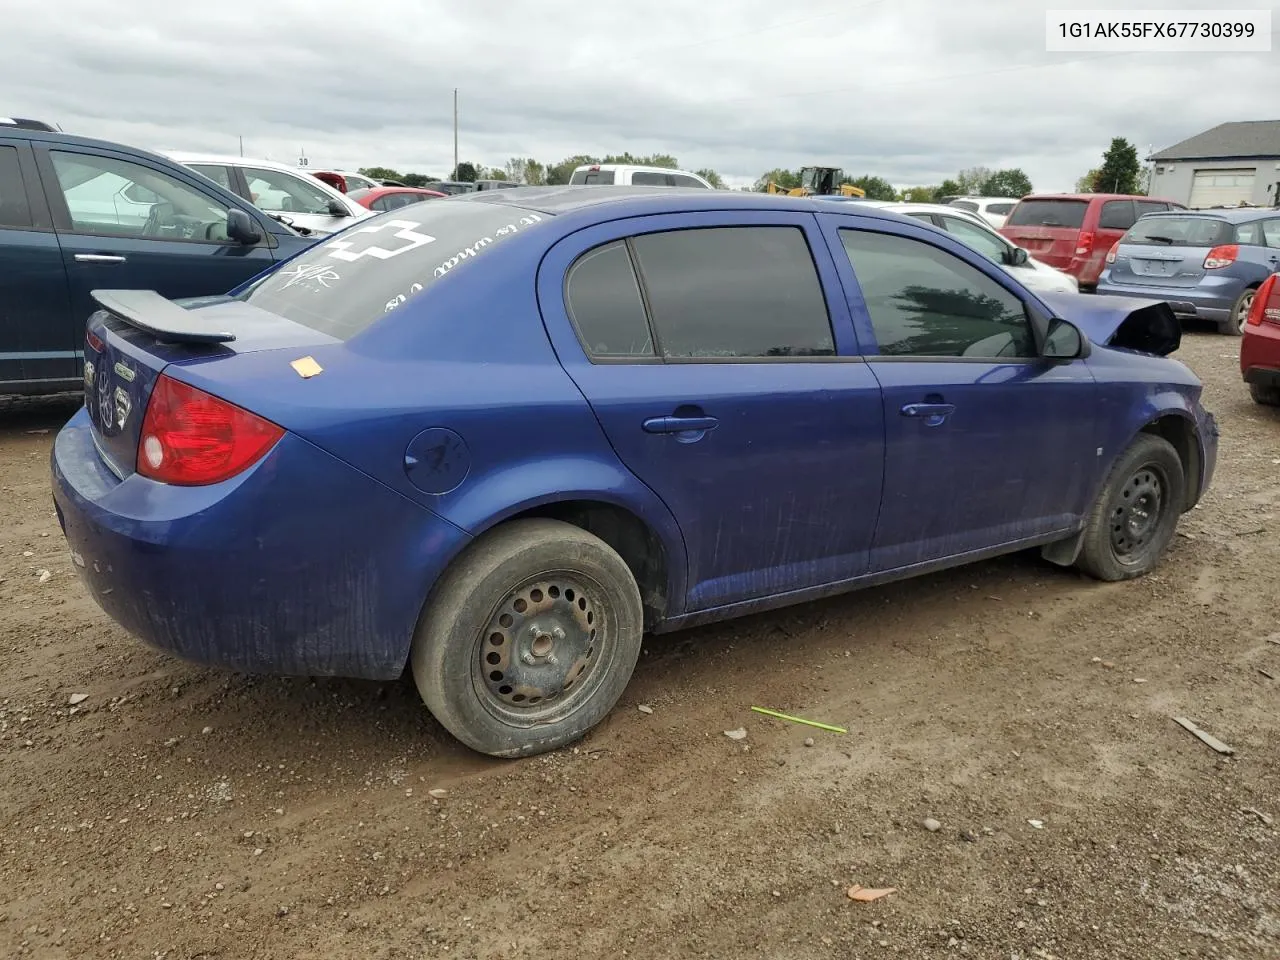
934, 414
679, 424
99, 258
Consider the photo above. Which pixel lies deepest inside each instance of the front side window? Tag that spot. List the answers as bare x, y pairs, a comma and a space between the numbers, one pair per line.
14, 209
113, 197
988, 244
734, 292
603, 300
281, 192
925, 302
684, 180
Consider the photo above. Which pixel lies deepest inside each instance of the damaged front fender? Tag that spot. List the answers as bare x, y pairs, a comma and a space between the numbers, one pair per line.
1128, 323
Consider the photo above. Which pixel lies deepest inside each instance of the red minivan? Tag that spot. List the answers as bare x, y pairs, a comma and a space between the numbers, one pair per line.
1074, 231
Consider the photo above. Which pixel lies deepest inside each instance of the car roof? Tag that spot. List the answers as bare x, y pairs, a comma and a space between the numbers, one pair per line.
375, 192
1230, 214
1089, 196
633, 201
234, 161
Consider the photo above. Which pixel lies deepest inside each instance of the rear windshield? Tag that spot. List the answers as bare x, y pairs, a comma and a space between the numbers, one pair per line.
1180, 231
594, 177
1048, 213
344, 283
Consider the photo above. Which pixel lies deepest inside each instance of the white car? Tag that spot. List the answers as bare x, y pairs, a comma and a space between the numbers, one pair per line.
284, 192
994, 210
630, 175
971, 230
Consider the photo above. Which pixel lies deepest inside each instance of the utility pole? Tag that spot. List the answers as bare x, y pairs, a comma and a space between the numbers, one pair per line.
455, 133
242, 145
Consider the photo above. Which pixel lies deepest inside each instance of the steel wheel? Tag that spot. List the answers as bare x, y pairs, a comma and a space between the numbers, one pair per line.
539, 656
1137, 514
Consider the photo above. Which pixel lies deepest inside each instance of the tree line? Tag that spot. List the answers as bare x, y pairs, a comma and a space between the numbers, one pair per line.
535, 173
1119, 172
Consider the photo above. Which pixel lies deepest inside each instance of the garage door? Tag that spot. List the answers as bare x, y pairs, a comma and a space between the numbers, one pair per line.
1221, 188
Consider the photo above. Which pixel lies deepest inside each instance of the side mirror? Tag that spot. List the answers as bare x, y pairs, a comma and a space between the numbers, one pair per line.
1064, 342
241, 228
336, 209
1018, 257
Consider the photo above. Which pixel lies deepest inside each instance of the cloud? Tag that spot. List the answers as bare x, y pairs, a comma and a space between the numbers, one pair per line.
911, 90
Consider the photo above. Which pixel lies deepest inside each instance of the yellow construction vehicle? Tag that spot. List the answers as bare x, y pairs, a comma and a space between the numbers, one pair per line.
819, 181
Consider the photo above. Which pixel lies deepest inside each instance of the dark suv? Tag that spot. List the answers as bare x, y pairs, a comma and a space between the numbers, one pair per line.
78, 215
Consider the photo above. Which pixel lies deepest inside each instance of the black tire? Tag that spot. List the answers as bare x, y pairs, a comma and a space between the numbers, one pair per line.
1233, 326
1122, 540
1267, 396
529, 638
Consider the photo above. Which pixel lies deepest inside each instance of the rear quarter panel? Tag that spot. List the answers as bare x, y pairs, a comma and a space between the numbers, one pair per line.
464, 373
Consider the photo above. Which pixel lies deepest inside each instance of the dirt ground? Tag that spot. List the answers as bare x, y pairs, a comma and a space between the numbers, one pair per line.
182, 812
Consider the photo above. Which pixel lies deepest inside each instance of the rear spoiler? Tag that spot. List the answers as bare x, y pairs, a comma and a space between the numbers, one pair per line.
151, 313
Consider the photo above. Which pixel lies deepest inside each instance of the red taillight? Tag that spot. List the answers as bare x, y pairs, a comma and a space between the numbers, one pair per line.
191, 438
1111, 254
1223, 256
1084, 243
94, 341
1266, 303
594, 166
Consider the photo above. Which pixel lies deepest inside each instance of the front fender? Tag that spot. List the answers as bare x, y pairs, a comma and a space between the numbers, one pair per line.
518, 488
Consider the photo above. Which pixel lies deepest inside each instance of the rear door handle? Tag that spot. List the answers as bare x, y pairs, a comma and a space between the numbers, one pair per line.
99, 258
679, 424
933, 414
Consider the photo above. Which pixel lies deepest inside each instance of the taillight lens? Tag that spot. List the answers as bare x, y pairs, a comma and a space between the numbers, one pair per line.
192, 438
1266, 303
1111, 254
94, 341
1084, 244
1223, 256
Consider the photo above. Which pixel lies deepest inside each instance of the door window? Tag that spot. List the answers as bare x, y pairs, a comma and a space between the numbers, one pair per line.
1116, 215
282, 192
733, 293
216, 172
114, 197
925, 302
1271, 232
1150, 206
644, 178
984, 241
684, 180
14, 209
604, 303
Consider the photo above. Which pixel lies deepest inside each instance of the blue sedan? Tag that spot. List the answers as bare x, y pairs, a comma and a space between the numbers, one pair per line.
496, 438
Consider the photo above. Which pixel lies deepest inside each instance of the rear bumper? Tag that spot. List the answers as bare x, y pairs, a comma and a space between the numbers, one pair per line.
301, 565
1193, 303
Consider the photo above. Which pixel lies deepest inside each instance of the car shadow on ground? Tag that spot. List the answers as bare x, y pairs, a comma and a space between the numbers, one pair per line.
49, 413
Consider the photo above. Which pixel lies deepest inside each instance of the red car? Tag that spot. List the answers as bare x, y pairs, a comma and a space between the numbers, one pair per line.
388, 198
1074, 231
1260, 346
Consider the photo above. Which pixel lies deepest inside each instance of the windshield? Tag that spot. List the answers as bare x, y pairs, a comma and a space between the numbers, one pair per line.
1180, 231
344, 283
1048, 213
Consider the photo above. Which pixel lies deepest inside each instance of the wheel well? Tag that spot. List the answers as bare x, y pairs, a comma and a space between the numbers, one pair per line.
1181, 434
639, 547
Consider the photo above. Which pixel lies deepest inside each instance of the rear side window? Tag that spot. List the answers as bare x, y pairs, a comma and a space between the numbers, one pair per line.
999, 209
216, 172
1116, 215
643, 178
1271, 232
925, 302
604, 303
965, 205
1250, 233
684, 180
1150, 206
1180, 232
1048, 213
734, 292
14, 210
344, 283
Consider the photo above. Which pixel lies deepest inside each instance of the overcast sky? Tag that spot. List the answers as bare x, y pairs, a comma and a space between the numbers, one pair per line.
911, 90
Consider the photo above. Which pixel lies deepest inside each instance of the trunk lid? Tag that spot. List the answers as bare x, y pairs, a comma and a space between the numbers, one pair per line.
1168, 251
138, 333
1048, 229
